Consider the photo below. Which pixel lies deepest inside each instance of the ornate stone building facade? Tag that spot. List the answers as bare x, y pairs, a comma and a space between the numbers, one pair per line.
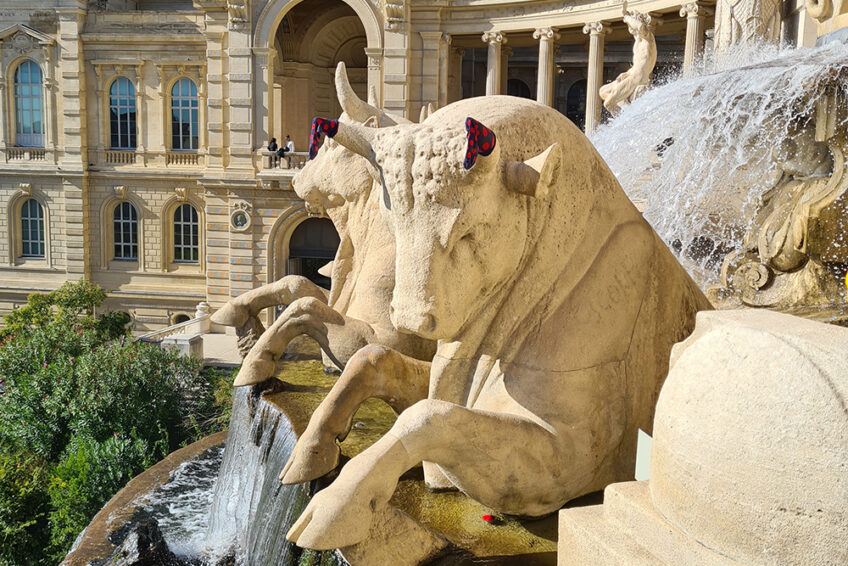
133, 132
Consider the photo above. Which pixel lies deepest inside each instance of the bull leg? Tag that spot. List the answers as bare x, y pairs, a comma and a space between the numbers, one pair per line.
282, 292
509, 463
339, 337
374, 371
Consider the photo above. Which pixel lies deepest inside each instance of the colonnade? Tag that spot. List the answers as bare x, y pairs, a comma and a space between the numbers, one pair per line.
694, 12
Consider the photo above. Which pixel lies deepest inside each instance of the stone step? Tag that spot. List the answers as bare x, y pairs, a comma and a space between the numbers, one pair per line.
587, 539
628, 509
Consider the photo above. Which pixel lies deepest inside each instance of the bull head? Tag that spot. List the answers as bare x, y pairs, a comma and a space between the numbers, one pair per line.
450, 212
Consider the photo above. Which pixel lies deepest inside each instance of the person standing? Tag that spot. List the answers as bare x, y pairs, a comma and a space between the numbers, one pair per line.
289, 149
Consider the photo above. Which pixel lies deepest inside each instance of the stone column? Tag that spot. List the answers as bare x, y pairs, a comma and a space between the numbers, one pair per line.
444, 68
3, 105
495, 39
596, 31
506, 53
545, 81
695, 14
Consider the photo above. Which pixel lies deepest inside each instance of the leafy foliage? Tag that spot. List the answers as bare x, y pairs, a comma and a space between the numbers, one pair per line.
84, 408
23, 509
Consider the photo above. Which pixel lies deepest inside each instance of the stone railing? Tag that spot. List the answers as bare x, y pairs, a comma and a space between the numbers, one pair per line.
293, 160
150, 158
26, 154
198, 325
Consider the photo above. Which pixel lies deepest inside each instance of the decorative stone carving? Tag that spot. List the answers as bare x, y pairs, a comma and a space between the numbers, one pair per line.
237, 10
121, 191
394, 13
25, 188
494, 37
630, 84
776, 267
748, 458
182, 194
240, 215
547, 291
746, 21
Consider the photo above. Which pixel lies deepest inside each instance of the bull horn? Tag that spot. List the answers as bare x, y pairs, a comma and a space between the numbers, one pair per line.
422, 115
358, 139
430, 109
351, 104
535, 177
372, 96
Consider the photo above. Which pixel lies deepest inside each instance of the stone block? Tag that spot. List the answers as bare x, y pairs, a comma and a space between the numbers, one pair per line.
187, 344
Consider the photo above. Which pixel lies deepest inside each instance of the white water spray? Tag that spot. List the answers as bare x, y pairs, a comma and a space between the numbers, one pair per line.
696, 152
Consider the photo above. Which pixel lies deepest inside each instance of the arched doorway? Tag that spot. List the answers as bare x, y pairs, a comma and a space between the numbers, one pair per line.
575, 103
311, 39
312, 245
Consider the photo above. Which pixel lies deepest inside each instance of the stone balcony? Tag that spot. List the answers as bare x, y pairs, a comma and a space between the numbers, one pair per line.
148, 159
275, 171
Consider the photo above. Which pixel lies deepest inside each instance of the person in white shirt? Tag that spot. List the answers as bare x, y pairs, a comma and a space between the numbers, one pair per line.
289, 145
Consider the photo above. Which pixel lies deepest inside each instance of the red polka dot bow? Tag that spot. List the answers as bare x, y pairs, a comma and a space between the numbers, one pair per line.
321, 126
481, 140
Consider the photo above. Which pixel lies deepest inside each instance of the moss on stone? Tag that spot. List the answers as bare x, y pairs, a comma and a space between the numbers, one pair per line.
456, 516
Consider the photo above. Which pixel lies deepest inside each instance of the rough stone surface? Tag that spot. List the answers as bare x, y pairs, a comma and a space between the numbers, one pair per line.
554, 303
749, 456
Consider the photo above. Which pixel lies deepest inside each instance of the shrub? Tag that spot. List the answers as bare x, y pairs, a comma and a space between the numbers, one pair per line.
86, 479
23, 509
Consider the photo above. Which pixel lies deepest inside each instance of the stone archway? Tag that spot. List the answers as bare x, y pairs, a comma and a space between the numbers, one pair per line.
312, 245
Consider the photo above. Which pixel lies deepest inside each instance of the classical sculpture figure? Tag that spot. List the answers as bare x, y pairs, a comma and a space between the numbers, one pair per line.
630, 84
746, 22
355, 311
554, 303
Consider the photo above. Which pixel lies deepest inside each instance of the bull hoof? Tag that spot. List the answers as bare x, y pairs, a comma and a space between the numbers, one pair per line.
231, 314
310, 460
335, 518
254, 371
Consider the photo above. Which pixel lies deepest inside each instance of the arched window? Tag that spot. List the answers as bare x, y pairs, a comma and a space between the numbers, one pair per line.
122, 114
125, 222
186, 234
184, 122
575, 105
29, 121
32, 229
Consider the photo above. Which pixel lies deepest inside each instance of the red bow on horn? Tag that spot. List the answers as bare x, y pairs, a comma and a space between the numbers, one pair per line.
321, 126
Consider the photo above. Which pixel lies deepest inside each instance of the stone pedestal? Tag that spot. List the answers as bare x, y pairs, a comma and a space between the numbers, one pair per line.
749, 456
187, 344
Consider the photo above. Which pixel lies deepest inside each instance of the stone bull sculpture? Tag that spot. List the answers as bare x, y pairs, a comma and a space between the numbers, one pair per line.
355, 311
554, 303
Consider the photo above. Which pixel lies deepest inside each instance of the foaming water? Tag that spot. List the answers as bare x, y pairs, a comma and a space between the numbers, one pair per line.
181, 506
696, 153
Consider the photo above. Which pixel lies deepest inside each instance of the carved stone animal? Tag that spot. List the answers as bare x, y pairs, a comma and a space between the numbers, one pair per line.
355, 312
554, 302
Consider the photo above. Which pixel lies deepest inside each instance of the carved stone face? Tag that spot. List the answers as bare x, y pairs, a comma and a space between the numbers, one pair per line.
335, 177
459, 233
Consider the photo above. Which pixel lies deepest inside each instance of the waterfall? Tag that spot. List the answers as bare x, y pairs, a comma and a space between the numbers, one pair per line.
696, 153
251, 509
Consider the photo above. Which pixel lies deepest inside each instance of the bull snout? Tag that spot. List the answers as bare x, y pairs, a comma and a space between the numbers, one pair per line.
421, 323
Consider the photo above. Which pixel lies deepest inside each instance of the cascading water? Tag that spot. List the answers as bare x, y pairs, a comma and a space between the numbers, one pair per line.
251, 510
696, 153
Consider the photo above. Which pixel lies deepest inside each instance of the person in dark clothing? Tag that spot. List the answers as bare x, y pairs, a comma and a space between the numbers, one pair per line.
274, 148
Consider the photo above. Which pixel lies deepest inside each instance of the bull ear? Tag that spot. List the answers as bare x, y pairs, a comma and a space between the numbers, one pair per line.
537, 176
480, 140
422, 114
